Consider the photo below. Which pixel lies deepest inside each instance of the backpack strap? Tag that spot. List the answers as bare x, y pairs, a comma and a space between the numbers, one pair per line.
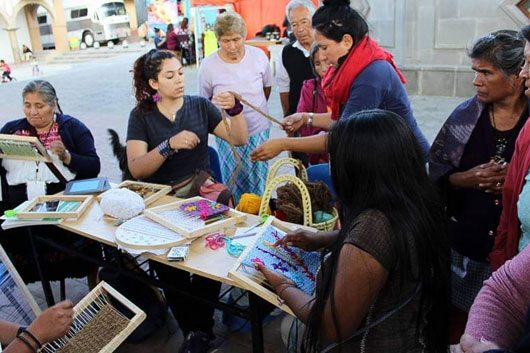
375, 323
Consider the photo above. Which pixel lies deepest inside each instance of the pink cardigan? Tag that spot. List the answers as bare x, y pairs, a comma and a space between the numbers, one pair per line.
508, 231
499, 311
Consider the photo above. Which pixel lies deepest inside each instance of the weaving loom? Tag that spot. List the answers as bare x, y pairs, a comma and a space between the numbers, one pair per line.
299, 265
27, 148
98, 324
17, 305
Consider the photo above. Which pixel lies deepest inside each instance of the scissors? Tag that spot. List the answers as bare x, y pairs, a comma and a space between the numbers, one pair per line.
262, 219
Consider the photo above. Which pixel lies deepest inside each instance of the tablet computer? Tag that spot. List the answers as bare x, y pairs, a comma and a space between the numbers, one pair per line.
86, 186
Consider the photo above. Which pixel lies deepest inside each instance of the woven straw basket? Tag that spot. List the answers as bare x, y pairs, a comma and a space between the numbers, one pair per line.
282, 161
308, 213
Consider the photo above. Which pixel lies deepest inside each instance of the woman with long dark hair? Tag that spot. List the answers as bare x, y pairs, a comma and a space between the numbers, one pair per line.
167, 143
385, 285
362, 76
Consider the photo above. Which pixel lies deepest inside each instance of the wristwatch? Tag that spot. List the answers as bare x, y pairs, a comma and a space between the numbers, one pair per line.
310, 120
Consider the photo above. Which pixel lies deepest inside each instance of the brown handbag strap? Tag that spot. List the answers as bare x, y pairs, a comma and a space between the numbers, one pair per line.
201, 178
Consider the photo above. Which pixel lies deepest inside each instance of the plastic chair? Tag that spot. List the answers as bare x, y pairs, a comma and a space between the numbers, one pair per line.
215, 165
320, 172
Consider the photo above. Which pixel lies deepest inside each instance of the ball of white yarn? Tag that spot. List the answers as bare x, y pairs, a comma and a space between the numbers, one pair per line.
122, 203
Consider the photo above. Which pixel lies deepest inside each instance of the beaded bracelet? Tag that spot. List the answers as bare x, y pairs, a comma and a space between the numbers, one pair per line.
25, 341
165, 149
236, 109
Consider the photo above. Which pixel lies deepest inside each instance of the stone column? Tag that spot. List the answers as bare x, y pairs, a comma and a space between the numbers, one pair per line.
131, 11
33, 27
14, 43
59, 28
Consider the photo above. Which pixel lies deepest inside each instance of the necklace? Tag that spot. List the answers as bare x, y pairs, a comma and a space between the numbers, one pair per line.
500, 139
47, 134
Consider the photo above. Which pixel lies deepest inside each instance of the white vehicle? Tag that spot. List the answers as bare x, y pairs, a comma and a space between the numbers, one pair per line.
88, 20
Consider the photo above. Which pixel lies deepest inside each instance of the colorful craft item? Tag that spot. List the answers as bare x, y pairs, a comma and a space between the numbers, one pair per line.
233, 248
249, 203
203, 209
257, 260
298, 265
321, 217
216, 241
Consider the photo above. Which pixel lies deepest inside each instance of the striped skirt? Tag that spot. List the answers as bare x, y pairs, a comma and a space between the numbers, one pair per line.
253, 175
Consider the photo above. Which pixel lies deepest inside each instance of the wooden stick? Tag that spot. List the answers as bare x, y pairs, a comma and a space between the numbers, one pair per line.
244, 101
232, 182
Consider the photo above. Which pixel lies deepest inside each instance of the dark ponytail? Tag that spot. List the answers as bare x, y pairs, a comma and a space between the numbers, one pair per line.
147, 67
337, 2
336, 18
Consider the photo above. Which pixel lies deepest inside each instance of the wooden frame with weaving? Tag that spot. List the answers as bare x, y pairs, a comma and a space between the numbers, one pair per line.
16, 293
87, 303
26, 148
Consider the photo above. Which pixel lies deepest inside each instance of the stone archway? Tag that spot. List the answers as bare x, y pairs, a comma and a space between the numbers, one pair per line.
20, 5
57, 18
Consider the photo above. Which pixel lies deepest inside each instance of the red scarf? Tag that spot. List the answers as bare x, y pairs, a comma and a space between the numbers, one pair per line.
337, 84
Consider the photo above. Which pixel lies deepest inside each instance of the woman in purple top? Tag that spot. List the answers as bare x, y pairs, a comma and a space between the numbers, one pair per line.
497, 317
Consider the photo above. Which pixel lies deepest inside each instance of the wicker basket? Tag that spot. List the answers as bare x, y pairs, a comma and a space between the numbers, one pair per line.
308, 213
286, 160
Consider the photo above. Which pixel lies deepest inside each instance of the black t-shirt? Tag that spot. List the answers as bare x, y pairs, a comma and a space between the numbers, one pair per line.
197, 115
475, 214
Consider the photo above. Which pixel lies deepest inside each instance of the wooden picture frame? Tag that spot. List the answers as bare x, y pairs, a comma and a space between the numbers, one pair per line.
91, 301
33, 210
155, 213
25, 148
158, 190
17, 295
254, 281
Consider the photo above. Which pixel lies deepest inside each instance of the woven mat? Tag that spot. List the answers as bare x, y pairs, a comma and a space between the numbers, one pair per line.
106, 325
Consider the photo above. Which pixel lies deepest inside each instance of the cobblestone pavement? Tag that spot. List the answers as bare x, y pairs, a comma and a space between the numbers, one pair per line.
100, 94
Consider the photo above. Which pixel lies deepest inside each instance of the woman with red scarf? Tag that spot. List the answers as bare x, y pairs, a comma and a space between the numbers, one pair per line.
362, 76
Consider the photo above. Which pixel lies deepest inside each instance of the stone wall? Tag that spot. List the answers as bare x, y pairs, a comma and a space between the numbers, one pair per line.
429, 38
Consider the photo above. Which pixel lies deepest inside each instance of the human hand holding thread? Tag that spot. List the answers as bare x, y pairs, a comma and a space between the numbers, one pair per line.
303, 239
278, 281
54, 322
294, 122
185, 140
224, 100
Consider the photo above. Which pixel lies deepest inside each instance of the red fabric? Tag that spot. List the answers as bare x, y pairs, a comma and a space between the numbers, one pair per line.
337, 84
305, 105
508, 231
256, 13
172, 41
46, 138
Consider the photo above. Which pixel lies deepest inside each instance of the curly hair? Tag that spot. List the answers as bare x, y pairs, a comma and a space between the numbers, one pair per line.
148, 67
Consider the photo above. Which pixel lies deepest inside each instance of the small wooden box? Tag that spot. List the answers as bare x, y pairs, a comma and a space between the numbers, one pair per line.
30, 212
26, 148
148, 191
194, 230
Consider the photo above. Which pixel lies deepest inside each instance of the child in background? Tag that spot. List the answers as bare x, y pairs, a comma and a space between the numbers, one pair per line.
312, 100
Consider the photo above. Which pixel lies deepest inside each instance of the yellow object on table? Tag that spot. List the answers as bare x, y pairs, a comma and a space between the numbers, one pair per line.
249, 203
